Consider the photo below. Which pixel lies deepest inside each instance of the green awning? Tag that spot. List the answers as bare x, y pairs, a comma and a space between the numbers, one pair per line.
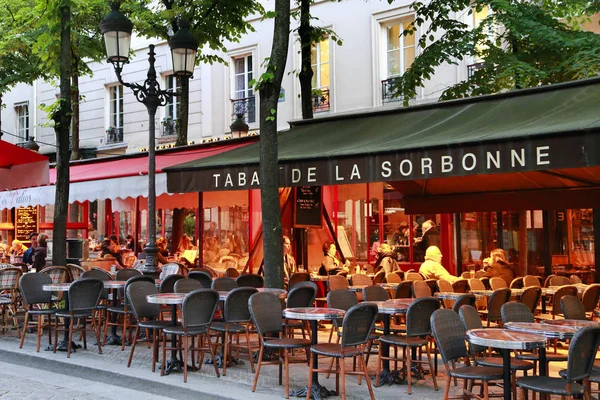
545, 128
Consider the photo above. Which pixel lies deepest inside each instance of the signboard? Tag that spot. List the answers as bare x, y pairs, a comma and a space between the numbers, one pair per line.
308, 207
26, 222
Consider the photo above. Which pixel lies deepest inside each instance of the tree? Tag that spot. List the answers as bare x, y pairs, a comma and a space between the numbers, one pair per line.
518, 44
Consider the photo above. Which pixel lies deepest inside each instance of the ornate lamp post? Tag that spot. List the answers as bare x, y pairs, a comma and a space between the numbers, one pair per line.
117, 28
239, 128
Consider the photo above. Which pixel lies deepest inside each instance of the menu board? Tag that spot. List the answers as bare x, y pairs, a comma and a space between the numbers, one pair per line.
26, 222
308, 207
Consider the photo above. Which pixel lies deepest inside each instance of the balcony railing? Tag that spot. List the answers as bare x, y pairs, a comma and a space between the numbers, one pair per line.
114, 135
320, 100
472, 68
387, 91
169, 127
246, 107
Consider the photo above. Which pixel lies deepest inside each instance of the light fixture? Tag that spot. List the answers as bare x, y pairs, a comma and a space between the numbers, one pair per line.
239, 128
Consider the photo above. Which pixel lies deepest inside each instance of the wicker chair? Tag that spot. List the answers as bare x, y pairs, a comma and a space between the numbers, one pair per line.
83, 296
461, 286
170, 269
470, 319
404, 290
37, 302
197, 312
236, 317
466, 299
361, 279
265, 309
418, 330
572, 308
498, 283
582, 352
168, 284
343, 300
560, 281
556, 310
449, 334
298, 277
232, 272
478, 284
250, 280
224, 284
147, 315
9, 286
531, 280
375, 293
575, 279
495, 302
204, 278
299, 296
393, 278
590, 297
336, 282
413, 276
75, 272
357, 326
517, 283
126, 273
123, 310
446, 287
548, 279
186, 285
486, 282
379, 277
58, 275
421, 289
531, 297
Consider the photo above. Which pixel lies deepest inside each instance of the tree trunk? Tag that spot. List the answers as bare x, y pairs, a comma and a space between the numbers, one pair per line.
75, 104
306, 72
62, 121
183, 111
269, 169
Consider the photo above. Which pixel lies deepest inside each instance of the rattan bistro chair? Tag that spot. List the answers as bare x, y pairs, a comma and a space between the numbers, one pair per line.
298, 277
83, 296
356, 328
418, 331
38, 303
495, 302
224, 284
572, 308
404, 290
203, 277
236, 317
574, 381
299, 296
560, 281
531, 297
449, 334
186, 285
265, 310
250, 280
147, 315
467, 299
197, 311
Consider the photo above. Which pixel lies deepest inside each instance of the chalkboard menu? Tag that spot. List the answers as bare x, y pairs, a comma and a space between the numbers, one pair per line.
308, 207
26, 222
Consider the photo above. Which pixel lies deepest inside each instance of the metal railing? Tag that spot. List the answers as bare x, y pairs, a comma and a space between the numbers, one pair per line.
387, 91
114, 135
246, 107
320, 100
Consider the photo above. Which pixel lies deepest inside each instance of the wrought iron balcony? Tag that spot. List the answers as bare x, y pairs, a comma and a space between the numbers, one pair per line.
114, 135
169, 127
471, 68
246, 107
320, 100
387, 90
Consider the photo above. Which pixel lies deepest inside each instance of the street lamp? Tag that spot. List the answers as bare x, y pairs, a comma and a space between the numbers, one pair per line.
239, 128
117, 28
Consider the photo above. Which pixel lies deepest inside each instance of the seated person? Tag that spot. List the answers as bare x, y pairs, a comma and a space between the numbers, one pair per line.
108, 252
28, 255
432, 267
331, 264
497, 266
185, 243
17, 248
385, 259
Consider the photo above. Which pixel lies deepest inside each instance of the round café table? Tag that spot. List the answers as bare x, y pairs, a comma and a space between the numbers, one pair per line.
281, 293
453, 295
571, 323
506, 341
63, 345
313, 315
357, 288
550, 331
113, 339
173, 299
513, 292
388, 308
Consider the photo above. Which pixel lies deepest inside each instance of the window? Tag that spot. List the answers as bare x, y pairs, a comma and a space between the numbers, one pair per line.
243, 99
170, 120
400, 53
22, 113
115, 117
321, 80
478, 18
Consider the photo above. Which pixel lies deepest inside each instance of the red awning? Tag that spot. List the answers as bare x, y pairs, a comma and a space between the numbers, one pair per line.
138, 165
21, 167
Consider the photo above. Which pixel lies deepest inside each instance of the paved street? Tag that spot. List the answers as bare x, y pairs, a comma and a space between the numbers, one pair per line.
25, 383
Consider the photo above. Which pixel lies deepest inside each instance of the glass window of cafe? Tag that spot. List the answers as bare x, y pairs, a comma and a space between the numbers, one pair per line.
226, 228
7, 227
76, 223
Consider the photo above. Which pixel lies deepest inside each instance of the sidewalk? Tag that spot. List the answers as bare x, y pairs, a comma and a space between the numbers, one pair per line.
111, 368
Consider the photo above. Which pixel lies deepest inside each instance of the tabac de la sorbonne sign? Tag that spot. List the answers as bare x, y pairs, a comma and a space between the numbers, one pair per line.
489, 158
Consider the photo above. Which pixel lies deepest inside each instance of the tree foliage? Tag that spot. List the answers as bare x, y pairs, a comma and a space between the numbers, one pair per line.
519, 44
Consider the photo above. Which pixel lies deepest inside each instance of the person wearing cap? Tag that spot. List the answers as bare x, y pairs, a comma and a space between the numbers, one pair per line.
432, 268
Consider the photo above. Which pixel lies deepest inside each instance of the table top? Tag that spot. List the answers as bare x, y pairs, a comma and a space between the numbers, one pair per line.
114, 284
357, 288
313, 313
487, 292
319, 278
552, 289
389, 285
505, 339
56, 287
550, 331
572, 323
394, 306
166, 298
281, 293
453, 295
